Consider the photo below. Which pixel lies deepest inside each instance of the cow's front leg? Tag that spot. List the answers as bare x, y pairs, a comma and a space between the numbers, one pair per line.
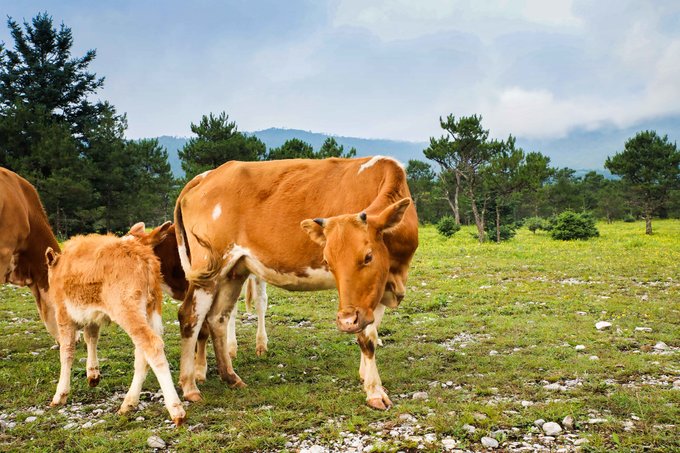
91, 335
376, 397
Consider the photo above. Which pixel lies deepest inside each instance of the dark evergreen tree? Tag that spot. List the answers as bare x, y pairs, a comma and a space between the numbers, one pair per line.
330, 148
649, 165
292, 149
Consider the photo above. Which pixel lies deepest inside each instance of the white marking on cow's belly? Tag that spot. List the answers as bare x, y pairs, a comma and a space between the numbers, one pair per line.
84, 316
217, 211
375, 159
314, 279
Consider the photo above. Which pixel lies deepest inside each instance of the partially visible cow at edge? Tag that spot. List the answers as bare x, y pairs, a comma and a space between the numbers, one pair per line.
101, 278
25, 234
164, 243
300, 225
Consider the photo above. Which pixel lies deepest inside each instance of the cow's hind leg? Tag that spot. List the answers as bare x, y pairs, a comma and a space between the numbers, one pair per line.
91, 335
217, 320
261, 300
376, 396
232, 345
191, 315
67, 347
201, 364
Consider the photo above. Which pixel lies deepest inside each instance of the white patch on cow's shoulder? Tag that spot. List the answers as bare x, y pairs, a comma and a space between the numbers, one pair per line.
376, 159
203, 175
217, 211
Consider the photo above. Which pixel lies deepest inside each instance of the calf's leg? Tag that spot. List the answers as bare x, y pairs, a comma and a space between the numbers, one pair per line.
132, 397
91, 335
67, 347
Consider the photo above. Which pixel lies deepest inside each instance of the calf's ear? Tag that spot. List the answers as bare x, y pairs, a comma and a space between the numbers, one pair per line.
137, 229
391, 216
315, 229
51, 257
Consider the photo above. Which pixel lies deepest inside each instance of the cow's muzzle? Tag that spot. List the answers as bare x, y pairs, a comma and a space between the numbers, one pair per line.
353, 320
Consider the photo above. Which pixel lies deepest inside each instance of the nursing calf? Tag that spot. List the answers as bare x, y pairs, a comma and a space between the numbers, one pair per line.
102, 278
164, 244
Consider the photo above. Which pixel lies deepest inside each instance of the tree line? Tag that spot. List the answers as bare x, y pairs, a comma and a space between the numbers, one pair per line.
91, 178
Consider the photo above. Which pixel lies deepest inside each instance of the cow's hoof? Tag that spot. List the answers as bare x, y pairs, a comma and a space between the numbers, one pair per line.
261, 350
200, 376
126, 408
93, 381
194, 396
238, 385
179, 417
232, 352
377, 403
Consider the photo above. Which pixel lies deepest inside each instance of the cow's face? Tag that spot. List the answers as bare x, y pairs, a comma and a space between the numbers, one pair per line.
354, 249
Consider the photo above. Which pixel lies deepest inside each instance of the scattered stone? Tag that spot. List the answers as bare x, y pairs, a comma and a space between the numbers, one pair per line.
551, 428
568, 422
643, 329
70, 426
139, 419
539, 423
555, 386
581, 313
676, 384
38, 412
420, 396
314, 449
155, 442
30, 419
430, 437
54, 347
579, 347
408, 418
493, 352
479, 417
661, 346
597, 421
594, 357
578, 442
470, 429
87, 425
628, 425
527, 403
603, 325
489, 442
449, 443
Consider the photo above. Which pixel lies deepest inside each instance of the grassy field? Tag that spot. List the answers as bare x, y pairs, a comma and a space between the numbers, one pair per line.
483, 330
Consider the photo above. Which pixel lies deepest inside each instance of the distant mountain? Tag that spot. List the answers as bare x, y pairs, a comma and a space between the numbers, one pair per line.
581, 149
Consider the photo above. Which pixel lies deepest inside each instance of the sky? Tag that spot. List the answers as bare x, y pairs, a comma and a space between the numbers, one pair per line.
379, 69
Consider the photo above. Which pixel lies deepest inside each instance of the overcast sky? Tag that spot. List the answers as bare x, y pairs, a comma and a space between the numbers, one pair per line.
379, 69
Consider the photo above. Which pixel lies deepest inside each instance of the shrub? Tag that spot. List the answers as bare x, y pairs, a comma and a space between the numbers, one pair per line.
537, 223
570, 225
447, 226
629, 218
508, 231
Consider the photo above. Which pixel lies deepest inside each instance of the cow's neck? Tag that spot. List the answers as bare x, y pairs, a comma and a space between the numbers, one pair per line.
31, 266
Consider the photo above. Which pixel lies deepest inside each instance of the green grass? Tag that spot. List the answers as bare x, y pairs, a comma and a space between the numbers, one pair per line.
531, 300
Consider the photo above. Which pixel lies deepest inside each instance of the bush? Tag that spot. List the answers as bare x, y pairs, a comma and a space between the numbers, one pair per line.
537, 223
629, 218
507, 232
570, 225
447, 226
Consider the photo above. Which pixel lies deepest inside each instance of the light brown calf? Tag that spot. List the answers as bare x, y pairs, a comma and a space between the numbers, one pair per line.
164, 243
101, 278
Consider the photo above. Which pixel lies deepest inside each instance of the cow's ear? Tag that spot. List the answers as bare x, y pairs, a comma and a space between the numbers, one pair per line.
137, 229
51, 257
315, 229
162, 231
391, 216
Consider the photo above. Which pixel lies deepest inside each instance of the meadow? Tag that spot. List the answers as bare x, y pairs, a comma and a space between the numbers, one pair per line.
483, 345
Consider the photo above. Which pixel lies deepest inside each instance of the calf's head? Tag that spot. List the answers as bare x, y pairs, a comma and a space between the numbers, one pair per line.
356, 254
153, 237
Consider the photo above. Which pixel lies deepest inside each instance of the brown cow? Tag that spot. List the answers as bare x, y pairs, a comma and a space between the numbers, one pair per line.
256, 217
25, 234
101, 278
164, 243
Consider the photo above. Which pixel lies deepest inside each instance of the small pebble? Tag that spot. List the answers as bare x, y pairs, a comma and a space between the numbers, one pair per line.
539, 423
489, 442
661, 346
579, 347
643, 329
469, 428
155, 442
551, 428
568, 422
30, 419
603, 325
594, 357
578, 442
420, 396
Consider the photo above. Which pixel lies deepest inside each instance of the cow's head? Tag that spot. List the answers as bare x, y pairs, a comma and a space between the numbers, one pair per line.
356, 254
153, 237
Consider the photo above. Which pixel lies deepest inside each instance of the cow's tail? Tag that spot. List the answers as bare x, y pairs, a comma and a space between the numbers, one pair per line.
205, 277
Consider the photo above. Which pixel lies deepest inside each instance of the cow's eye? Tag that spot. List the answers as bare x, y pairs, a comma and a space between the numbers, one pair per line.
368, 258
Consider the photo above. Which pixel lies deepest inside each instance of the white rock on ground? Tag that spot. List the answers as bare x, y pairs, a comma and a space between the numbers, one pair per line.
155, 442
578, 442
597, 421
551, 428
527, 403
579, 347
489, 442
30, 419
676, 384
469, 428
643, 329
661, 346
594, 357
539, 423
603, 325
568, 422
449, 444
420, 396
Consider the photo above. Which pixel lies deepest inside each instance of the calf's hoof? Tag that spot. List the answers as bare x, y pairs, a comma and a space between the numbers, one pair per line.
179, 420
93, 381
126, 408
380, 402
232, 352
193, 396
239, 384
200, 376
261, 350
